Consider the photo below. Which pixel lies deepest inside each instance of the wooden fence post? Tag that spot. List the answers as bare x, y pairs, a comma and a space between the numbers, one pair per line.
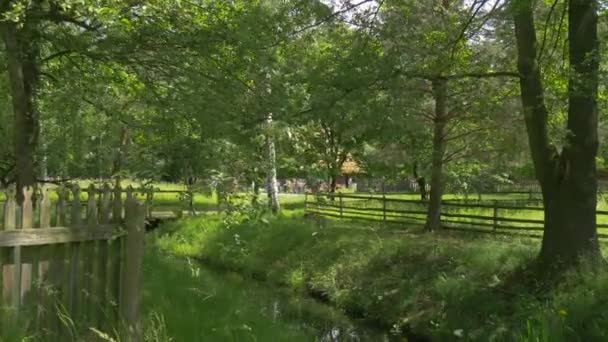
92, 206
76, 206
384, 207
75, 265
130, 195
90, 270
27, 209
191, 202
495, 216
117, 205
10, 209
132, 272
341, 209
62, 200
10, 223
106, 202
45, 208
149, 199
40, 274
25, 213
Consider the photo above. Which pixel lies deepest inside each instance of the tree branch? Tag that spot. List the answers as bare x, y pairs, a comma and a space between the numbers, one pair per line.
318, 23
51, 77
56, 55
542, 45
467, 24
450, 157
485, 75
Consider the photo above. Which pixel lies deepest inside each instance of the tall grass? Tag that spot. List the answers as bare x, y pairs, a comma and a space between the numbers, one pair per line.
449, 286
192, 304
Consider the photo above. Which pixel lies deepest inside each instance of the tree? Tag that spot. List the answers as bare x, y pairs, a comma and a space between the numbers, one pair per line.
339, 73
31, 31
568, 177
22, 53
438, 44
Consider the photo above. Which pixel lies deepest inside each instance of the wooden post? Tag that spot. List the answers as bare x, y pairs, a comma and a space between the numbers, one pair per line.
117, 205
45, 208
89, 278
62, 200
149, 199
10, 209
76, 269
130, 195
384, 206
132, 271
92, 206
27, 209
340, 201
191, 202
76, 217
105, 205
10, 223
24, 221
44, 259
495, 216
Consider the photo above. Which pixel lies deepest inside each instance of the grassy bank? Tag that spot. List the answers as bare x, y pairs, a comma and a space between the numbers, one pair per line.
441, 285
184, 303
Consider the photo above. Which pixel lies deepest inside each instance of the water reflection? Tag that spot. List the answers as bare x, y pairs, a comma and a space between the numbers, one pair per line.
326, 323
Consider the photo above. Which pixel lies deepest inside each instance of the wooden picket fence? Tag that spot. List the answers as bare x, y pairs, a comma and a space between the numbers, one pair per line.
495, 216
72, 264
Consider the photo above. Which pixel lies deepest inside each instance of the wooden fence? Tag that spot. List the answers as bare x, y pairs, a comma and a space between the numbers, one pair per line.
487, 217
72, 263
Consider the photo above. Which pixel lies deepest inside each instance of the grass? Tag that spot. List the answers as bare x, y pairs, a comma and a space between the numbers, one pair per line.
442, 285
196, 305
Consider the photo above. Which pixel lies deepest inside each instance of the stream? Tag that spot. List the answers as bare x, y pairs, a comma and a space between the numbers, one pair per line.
215, 305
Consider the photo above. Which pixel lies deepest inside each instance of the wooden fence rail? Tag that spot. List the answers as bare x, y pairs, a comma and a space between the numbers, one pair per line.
492, 216
72, 264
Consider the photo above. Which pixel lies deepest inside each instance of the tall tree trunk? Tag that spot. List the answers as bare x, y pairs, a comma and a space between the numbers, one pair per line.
120, 155
21, 56
333, 183
433, 220
568, 179
271, 168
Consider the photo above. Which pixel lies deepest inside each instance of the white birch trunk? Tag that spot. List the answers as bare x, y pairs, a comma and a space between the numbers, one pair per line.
271, 168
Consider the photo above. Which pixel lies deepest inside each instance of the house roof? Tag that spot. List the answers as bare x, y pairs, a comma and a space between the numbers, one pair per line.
350, 167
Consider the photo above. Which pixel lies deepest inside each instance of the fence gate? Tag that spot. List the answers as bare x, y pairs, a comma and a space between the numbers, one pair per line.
70, 262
